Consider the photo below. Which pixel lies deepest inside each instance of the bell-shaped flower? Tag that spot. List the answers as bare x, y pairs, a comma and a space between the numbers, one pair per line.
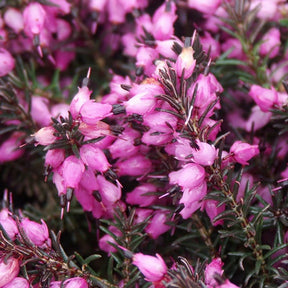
54, 157
7, 62
271, 43
143, 98
207, 7
17, 282
45, 136
10, 149
185, 62
78, 100
124, 146
211, 271
37, 233
8, 223
40, 111
163, 21
104, 244
136, 165
242, 152
142, 195
153, 268
192, 199
92, 112
257, 119
34, 17
157, 224
109, 192
72, 169
76, 282
212, 209
9, 269
188, 177
264, 98
94, 157
13, 18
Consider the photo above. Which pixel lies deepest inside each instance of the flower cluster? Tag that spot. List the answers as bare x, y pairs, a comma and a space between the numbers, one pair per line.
164, 124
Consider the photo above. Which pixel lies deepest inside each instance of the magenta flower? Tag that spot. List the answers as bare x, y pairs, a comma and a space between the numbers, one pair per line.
153, 268
157, 224
188, 177
91, 111
76, 282
271, 43
8, 223
10, 149
13, 18
7, 62
17, 282
213, 268
40, 111
72, 169
37, 233
264, 98
138, 195
185, 62
54, 157
78, 100
212, 209
45, 136
243, 152
34, 17
9, 269
94, 157
204, 6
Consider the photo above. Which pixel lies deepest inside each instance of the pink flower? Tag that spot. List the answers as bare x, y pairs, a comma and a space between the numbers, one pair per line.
40, 111
257, 119
34, 17
91, 111
54, 157
264, 98
13, 18
192, 199
212, 209
204, 6
243, 152
185, 62
213, 268
136, 165
94, 157
37, 233
271, 43
78, 100
143, 98
9, 269
138, 195
73, 169
17, 282
8, 223
45, 136
104, 241
76, 282
10, 149
157, 224
7, 62
188, 177
163, 20
153, 268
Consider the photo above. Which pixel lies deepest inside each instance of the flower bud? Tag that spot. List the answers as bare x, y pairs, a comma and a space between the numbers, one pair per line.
186, 62
34, 18
242, 152
8, 223
37, 233
45, 136
153, 268
157, 225
14, 19
94, 157
73, 169
264, 98
9, 149
17, 282
7, 62
79, 99
9, 269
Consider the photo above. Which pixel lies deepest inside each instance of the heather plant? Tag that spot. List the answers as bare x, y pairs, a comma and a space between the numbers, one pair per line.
143, 143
